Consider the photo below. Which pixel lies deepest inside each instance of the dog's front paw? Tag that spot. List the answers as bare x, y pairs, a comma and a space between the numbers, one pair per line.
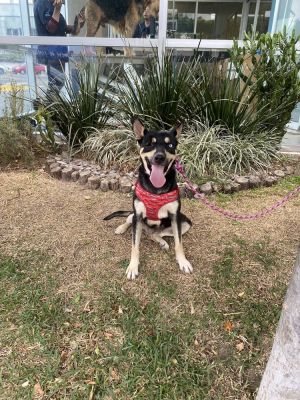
121, 229
185, 266
132, 271
164, 245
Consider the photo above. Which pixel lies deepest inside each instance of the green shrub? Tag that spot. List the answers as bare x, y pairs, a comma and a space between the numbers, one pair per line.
14, 144
274, 75
208, 150
77, 113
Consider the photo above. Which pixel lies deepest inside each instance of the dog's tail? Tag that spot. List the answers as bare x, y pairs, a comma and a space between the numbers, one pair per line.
117, 214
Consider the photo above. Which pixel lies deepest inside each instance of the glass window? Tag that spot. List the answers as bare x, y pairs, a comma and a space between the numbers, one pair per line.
10, 19
13, 79
262, 18
207, 20
141, 23
289, 15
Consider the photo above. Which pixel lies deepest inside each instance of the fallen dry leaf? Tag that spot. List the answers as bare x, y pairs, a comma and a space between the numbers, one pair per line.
192, 309
240, 346
120, 311
38, 391
25, 384
87, 308
114, 375
90, 382
63, 356
228, 326
108, 335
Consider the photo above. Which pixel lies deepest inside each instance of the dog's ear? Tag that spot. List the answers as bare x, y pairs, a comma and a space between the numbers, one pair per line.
177, 129
138, 128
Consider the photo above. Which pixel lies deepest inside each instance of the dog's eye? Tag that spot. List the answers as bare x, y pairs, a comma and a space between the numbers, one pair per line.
170, 145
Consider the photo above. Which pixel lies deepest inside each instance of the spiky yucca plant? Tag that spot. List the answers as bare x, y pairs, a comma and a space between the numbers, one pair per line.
161, 97
75, 112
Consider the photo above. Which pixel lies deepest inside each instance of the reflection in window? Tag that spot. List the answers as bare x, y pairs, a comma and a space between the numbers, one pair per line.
207, 20
10, 20
261, 20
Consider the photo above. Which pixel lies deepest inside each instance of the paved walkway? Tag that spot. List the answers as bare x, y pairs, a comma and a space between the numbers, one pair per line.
291, 142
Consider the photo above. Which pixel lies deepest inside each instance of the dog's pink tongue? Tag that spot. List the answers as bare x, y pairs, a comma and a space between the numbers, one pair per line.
157, 177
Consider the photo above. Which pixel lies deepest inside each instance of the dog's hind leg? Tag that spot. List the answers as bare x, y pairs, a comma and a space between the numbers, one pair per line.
156, 237
94, 18
123, 228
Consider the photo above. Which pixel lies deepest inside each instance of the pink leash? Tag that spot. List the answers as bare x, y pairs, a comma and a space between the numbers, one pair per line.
230, 214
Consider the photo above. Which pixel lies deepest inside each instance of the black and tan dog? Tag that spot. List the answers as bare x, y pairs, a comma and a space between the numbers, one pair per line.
156, 200
123, 15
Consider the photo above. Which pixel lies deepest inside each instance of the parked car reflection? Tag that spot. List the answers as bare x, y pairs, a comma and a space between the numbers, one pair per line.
22, 69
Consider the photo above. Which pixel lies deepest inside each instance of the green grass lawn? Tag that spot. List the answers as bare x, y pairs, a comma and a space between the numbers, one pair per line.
119, 347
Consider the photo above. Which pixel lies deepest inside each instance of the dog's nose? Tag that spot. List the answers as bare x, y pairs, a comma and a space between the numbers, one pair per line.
159, 158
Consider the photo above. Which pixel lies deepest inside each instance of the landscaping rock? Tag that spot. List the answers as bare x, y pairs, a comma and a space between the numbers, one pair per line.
125, 185
54, 165
269, 181
94, 182
87, 172
75, 176
217, 187
206, 188
243, 182
83, 177
113, 184
104, 185
227, 188
55, 172
289, 170
66, 174
254, 181
235, 187
279, 173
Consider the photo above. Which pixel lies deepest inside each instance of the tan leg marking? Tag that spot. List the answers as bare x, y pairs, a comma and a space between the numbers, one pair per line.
133, 268
184, 264
94, 18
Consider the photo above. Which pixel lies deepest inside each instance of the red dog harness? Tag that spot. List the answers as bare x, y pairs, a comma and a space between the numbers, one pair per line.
153, 202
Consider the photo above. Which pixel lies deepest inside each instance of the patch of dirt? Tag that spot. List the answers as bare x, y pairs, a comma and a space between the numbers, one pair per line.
65, 220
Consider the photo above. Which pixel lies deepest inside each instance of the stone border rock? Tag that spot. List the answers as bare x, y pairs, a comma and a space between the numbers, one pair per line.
93, 177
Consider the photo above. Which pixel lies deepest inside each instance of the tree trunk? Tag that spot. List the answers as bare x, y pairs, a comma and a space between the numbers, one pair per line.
281, 379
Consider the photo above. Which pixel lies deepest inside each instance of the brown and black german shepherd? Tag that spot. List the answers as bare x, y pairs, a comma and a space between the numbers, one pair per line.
156, 200
123, 15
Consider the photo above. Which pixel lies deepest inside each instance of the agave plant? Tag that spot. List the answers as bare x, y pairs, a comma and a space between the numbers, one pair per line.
77, 112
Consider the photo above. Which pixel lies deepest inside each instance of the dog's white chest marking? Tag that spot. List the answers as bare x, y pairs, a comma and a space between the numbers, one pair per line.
163, 212
167, 209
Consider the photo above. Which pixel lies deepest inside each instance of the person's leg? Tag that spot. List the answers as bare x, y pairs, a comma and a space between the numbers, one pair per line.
75, 80
56, 76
